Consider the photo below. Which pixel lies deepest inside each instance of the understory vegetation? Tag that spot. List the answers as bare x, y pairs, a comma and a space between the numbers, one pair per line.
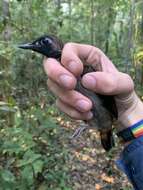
35, 150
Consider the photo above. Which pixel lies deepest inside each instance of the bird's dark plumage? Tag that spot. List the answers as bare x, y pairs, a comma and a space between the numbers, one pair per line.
49, 46
104, 107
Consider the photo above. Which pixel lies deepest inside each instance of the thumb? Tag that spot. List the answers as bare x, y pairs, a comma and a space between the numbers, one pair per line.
108, 83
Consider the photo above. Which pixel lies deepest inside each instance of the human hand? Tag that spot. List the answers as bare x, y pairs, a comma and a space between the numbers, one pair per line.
107, 80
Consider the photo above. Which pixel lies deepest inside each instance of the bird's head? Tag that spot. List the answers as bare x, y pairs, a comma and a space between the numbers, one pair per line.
50, 46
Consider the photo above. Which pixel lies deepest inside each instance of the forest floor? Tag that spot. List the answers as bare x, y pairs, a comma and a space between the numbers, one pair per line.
91, 168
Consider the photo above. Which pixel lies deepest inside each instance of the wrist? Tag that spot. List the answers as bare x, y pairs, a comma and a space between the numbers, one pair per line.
133, 111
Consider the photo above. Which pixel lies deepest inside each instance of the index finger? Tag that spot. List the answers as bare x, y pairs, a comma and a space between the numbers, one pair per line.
75, 55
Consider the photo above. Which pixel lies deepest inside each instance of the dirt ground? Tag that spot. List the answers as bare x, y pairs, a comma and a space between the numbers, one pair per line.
91, 168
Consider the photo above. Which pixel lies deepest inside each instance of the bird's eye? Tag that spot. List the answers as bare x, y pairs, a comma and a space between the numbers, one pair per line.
37, 43
47, 41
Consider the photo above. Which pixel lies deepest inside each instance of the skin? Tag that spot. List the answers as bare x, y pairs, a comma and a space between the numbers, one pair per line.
62, 80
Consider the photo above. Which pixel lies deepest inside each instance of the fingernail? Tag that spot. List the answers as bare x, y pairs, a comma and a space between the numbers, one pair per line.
89, 81
83, 105
72, 66
66, 80
89, 115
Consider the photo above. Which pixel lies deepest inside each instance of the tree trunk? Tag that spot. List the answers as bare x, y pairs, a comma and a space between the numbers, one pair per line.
129, 53
92, 22
111, 21
138, 41
6, 18
70, 19
142, 41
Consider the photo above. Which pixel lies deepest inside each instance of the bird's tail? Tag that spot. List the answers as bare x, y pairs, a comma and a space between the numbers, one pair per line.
107, 140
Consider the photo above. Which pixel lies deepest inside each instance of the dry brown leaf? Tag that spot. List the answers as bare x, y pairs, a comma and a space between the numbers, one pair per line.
107, 178
97, 187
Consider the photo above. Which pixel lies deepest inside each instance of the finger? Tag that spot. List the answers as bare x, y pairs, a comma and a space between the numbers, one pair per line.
71, 97
75, 55
107, 65
59, 74
73, 113
71, 60
108, 83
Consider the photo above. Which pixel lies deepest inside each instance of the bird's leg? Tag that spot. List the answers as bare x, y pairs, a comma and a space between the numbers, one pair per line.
79, 131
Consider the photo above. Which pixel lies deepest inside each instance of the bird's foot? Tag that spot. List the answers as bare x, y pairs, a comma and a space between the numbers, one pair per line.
79, 131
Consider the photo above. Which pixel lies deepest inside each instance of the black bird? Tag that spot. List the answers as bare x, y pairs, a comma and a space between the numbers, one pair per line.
104, 107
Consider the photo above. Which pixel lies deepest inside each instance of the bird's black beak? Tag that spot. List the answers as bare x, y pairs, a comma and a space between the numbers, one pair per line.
27, 46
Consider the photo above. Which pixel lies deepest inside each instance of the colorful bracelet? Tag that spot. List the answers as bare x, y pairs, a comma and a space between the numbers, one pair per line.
132, 132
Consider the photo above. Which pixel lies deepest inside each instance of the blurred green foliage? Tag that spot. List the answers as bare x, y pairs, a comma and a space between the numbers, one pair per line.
32, 152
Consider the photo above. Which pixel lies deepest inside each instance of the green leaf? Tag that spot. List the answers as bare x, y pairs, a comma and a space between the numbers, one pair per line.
29, 158
7, 176
38, 166
27, 174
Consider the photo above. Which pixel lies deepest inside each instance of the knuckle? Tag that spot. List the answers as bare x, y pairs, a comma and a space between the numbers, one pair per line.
69, 97
110, 86
67, 110
98, 51
73, 114
94, 55
128, 77
69, 45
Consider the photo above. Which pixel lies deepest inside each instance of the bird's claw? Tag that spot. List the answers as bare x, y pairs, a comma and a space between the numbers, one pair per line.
78, 132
